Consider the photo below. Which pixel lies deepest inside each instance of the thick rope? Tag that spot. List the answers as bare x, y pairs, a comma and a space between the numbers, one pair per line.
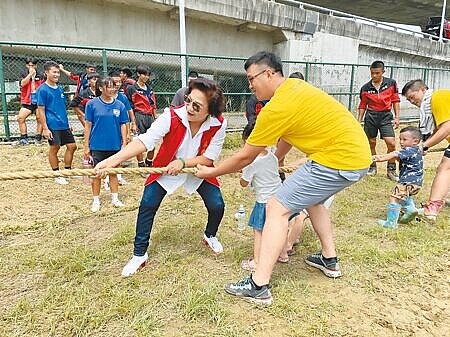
123, 170
91, 172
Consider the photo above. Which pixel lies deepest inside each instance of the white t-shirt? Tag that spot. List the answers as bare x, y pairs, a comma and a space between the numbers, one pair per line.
262, 174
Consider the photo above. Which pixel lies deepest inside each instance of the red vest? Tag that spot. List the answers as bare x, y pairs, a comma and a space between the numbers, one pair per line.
172, 141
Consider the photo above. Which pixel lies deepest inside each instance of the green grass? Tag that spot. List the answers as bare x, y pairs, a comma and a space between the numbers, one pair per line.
60, 268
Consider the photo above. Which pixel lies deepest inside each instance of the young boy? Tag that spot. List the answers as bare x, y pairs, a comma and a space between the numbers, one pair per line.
143, 102
29, 82
52, 113
410, 180
262, 175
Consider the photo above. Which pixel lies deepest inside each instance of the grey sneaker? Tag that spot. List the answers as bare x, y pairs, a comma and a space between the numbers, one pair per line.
246, 289
392, 175
330, 267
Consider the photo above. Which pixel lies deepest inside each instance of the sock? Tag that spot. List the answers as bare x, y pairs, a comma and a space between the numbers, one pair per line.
24, 136
328, 259
38, 137
114, 196
96, 198
67, 167
256, 286
55, 169
141, 164
119, 176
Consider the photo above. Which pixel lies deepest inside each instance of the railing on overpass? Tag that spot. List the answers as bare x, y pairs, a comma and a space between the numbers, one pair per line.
380, 24
340, 80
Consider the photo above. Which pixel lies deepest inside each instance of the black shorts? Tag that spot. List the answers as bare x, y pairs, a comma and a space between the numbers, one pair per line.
379, 121
31, 107
61, 137
447, 152
143, 121
98, 156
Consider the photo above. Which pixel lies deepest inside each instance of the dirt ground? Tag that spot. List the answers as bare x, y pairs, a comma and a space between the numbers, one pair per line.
406, 294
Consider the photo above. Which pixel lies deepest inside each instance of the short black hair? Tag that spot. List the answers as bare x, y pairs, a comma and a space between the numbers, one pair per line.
297, 74
143, 70
114, 73
414, 85
377, 64
193, 74
92, 75
50, 64
414, 131
90, 65
31, 60
127, 71
267, 58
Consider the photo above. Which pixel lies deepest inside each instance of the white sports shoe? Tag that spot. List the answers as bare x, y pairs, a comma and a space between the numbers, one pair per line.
122, 181
95, 207
135, 264
61, 181
117, 203
213, 243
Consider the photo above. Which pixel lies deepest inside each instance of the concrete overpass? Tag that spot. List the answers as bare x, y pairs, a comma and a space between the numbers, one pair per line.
411, 12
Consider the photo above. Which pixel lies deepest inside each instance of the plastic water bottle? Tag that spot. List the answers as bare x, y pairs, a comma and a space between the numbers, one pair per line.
240, 217
87, 164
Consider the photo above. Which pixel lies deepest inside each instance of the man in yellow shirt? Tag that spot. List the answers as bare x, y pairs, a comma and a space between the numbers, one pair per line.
435, 125
307, 118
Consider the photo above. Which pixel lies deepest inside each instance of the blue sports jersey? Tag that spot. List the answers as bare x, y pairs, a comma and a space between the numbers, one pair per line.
106, 119
121, 97
54, 102
411, 166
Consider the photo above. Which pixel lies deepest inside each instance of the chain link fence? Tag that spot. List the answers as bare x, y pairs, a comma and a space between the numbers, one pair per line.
342, 81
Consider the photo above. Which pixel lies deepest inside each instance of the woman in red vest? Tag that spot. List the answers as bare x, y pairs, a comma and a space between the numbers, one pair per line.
191, 134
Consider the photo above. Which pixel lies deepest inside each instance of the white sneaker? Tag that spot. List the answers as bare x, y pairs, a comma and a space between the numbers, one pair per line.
135, 264
117, 203
61, 181
213, 243
106, 185
122, 181
95, 207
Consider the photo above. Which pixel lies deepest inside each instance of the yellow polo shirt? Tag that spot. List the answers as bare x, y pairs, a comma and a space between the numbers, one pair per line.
440, 107
315, 123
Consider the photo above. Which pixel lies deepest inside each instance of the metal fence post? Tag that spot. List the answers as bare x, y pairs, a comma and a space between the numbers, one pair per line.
350, 95
104, 63
4, 104
425, 75
306, 71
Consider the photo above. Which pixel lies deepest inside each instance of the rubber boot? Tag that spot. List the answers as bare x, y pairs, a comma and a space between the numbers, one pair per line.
410, 211
392, 216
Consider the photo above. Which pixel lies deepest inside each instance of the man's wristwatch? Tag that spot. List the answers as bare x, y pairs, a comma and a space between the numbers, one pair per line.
425, 148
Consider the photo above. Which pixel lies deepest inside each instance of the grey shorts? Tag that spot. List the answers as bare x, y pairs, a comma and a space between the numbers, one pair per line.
378, 121
143, 121
313, 184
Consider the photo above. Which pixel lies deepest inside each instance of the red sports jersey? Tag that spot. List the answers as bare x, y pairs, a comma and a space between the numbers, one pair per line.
141, 100
25, 91
379, 100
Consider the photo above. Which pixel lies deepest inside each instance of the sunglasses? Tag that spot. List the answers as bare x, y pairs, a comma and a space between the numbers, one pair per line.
196, 106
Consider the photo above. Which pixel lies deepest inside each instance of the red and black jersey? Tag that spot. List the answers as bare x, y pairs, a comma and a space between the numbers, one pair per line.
25, 90
126, 83
380, 100
82, 82
141, 100
81, 100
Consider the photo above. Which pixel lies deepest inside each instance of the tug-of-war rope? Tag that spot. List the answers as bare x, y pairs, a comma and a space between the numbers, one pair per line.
123, 170
91, 172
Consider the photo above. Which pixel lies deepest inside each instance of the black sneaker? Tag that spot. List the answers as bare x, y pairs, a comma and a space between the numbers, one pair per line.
372, 170
247, 290
329, 267
392, 175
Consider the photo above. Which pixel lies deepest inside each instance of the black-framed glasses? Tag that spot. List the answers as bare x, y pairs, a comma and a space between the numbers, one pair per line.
251, 78
196, 106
